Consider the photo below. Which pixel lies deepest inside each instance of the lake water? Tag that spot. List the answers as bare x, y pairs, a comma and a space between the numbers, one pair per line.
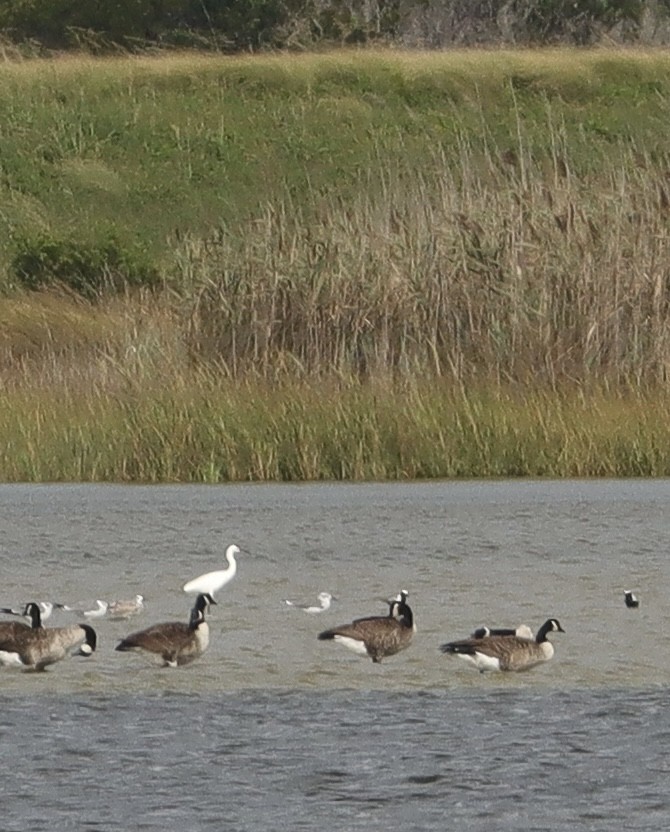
273, 729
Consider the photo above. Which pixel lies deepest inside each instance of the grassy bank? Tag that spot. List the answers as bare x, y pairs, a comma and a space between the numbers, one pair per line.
108, 393
373, 265
213, 433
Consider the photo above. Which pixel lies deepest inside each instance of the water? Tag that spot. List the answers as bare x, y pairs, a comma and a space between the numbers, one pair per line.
272, 728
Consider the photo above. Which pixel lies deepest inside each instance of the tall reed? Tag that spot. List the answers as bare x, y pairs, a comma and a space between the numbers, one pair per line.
465, 276
492, 264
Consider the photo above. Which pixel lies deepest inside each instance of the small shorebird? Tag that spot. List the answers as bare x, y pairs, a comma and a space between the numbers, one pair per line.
324, 599
98, 611
522, 631
121, 610
631, 599
45, 608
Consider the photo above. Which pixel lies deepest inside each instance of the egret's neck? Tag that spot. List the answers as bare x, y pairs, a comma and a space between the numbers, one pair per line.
230, 557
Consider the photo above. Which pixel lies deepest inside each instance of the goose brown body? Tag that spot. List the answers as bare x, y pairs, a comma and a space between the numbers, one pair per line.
37, 648
506, 652
176, 642
10, 630
377, 636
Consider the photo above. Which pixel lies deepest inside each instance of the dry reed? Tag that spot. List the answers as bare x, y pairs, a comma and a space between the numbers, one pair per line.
495, 266
492, 303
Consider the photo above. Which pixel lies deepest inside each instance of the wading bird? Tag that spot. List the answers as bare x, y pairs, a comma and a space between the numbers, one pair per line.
324, 599
377, 636
175, 642
212, 582
506, 652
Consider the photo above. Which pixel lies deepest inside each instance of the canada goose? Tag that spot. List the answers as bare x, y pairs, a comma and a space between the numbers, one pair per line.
324, 599
522, 631
506, 652
175, 642
11, 629
119, 610
377, 636
212, 582
631, 599
37, 647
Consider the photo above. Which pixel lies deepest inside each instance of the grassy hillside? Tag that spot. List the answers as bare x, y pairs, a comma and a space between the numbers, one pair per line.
371, 265
150, 147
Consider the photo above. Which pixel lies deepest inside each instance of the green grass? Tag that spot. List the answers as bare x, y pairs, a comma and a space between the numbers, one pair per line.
375, 265
208, 433
150, 147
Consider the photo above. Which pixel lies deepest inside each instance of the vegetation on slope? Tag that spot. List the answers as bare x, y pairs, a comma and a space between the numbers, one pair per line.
346, 265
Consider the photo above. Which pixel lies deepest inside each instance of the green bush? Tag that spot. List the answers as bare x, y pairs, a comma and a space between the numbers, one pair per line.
89, 269
233, 25
236, 24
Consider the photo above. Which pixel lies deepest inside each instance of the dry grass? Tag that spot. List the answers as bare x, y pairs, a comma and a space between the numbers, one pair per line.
468, 278
499, 267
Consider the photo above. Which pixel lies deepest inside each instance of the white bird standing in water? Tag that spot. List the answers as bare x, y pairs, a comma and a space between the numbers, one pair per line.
211, 582
324, 599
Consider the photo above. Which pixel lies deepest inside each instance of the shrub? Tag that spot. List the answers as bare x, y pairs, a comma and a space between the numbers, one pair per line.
90, 269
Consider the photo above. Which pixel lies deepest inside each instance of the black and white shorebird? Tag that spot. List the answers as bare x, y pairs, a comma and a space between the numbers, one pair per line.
211, 582
377, 636
324, 601
36, 647
176, 642
522, 631
631, 599
506, 652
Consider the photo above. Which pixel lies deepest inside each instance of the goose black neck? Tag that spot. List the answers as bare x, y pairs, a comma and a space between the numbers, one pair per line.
196, 619
544, 630
405, 614
33, 611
